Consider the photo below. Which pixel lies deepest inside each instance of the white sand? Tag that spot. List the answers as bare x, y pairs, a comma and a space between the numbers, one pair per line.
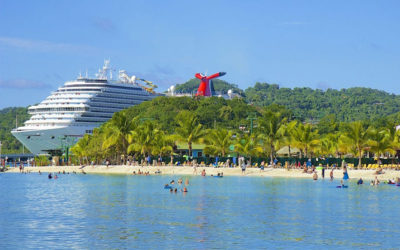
181, 170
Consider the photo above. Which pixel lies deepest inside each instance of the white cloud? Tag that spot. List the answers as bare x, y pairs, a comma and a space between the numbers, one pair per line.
22, 83
41, 45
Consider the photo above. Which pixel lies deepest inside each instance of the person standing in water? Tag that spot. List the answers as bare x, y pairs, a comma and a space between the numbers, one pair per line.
331, 174
323, 172
345, 174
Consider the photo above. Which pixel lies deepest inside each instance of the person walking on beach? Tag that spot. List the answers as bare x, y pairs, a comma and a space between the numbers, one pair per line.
243, 167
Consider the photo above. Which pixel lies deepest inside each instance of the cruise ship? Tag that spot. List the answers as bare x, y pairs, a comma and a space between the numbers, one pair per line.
78, 107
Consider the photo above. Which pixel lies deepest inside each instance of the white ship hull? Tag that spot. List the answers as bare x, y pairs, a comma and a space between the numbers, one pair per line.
44, 141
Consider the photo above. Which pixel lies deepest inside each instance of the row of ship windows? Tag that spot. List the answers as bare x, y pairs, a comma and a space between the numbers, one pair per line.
107, 86
58, 124
61, 109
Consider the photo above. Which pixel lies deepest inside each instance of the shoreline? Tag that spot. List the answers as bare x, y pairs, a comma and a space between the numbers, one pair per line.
187, 170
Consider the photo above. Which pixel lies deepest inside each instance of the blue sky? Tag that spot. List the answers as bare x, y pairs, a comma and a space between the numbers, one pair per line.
317, 44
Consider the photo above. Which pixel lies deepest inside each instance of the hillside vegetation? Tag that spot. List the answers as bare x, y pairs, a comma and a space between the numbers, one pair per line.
312, 104
8, 117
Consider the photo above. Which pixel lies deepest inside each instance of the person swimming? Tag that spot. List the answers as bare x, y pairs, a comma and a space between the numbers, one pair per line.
184, 190
360, 181
50, 176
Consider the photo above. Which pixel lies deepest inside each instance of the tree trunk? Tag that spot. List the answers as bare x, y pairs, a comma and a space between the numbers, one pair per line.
190, 148
359, 158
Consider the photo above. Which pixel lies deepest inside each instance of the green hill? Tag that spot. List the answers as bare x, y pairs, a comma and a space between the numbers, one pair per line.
212, 111
313, 104
8, 117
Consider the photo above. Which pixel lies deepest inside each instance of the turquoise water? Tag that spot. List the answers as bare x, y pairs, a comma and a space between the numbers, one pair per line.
124, 212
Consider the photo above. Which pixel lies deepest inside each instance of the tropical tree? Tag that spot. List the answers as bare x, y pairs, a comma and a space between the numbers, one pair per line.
163, 144
356, 136
81, 147
116, 132
142, 139
305, 138
247, 145
218, 141
270, 126
287, 138
189, 130
379, 142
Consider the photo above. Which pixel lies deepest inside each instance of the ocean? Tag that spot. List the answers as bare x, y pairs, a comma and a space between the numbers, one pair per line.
125, 212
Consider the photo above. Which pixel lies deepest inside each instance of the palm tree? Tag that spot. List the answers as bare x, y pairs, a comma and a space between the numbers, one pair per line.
247, 145
116, 132
163, 144
270, 125
287, 134
357, 137
218, 141
305, 138
189, 130
379, 141
81, 147
142, 139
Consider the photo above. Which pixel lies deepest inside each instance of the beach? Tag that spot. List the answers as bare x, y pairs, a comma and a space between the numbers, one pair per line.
188, 170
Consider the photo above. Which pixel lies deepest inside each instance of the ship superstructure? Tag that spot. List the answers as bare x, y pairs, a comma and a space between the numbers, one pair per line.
77, 108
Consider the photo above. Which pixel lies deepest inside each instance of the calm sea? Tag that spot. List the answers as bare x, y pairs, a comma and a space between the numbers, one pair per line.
124, 212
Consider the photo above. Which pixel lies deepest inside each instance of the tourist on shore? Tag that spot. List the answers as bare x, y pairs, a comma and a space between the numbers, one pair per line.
243, 167
323, 172
203, 173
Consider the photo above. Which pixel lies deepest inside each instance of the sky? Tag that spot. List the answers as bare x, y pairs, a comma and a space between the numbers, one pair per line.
318, 44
